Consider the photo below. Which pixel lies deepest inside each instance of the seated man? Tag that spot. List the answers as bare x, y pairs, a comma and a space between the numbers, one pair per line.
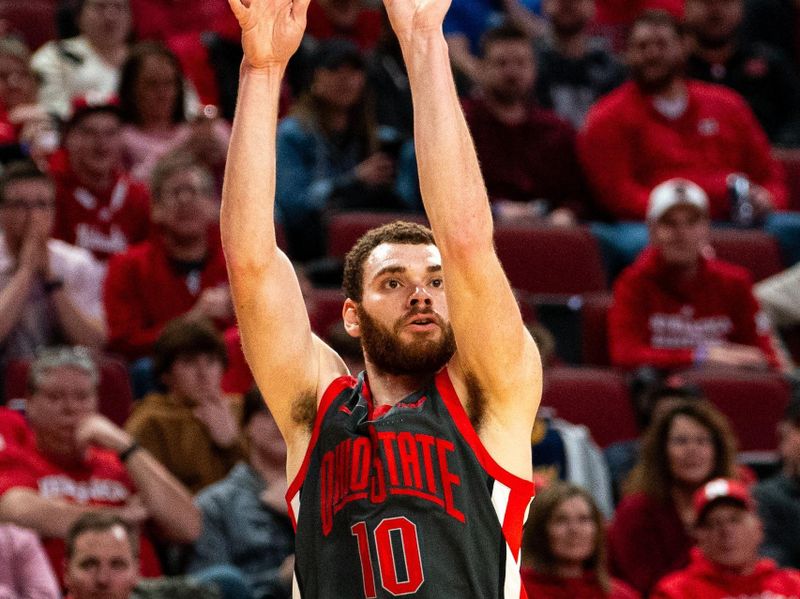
725, 562
575, 69
49, 290
102, 560
98, 206
779, 497
662, 125
82, 462
191, 429
675, 307
181, 267
253, 493
527, 153
763, 75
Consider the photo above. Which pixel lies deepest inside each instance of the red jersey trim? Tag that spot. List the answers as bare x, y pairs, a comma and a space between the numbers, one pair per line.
333, 390
516, 483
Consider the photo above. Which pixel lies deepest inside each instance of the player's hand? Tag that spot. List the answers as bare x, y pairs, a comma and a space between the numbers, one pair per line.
415, 16
99, 430
271, 29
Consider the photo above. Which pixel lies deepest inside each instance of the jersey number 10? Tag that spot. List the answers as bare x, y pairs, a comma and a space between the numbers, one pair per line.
390, 568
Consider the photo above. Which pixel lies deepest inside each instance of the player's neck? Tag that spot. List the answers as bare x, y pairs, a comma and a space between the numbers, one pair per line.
388, 389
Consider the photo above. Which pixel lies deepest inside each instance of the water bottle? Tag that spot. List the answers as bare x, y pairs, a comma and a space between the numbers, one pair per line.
743, 212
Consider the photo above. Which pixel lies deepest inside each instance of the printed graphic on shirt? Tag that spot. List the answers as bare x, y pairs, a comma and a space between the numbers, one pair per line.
95, 490
682, 330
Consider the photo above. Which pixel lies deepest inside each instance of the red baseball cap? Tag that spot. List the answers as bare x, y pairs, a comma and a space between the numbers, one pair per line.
83, 106
717, 490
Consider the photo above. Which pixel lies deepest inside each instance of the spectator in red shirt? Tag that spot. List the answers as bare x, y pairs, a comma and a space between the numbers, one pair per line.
563, 548
686, 446
83, 462
527, 153
675, 307
726, 561
180, 269
661, 125
98, 206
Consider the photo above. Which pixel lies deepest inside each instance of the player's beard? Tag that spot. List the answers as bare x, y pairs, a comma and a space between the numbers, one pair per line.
390, 354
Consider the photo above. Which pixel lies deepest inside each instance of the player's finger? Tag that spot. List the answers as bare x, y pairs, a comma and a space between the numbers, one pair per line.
239, 9
299, 10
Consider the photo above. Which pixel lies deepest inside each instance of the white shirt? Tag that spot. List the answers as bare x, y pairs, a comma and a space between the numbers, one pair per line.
38, 325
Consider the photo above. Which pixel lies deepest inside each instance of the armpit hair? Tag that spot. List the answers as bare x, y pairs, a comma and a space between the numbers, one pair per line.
476, 402
304, 410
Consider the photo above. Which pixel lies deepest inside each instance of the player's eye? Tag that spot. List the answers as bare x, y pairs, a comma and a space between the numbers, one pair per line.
392, 283
437, 283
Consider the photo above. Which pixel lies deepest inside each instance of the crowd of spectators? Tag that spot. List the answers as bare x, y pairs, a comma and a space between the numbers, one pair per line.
113, 141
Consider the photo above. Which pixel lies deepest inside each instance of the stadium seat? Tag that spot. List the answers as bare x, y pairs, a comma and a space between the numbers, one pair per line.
752, 249
325, 307
595, 397
790, 159
594, 329
115, 397
754, 402
345, 228
33, 20
550, 260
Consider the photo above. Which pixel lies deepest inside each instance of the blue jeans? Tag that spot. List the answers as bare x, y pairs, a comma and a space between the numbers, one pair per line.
229, 580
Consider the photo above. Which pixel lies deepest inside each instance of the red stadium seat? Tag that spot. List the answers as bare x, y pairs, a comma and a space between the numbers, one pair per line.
595, 397
115, 397
345, 228
790, 159
550, 260
594, 329
325, 306
754, 403
754, 250
34, 20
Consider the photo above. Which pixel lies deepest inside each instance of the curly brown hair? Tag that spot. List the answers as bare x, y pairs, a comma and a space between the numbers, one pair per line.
536, 550
399, 232
652, 474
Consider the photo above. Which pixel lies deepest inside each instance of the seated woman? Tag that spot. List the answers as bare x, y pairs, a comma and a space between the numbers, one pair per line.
332, 156
687, 445
88, 64
563, 548
160, 114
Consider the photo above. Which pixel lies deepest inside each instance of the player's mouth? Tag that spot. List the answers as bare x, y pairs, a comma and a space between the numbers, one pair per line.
422, 323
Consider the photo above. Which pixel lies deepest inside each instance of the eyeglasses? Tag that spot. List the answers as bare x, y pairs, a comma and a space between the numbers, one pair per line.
26, 205
106, 4
179, 192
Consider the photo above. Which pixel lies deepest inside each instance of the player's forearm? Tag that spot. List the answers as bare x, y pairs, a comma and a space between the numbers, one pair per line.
450, 179
247, 216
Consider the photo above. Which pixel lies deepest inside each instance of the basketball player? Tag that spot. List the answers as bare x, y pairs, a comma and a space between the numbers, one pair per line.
414, 479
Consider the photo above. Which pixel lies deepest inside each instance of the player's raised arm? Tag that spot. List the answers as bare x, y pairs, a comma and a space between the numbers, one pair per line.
285, 357
494, 348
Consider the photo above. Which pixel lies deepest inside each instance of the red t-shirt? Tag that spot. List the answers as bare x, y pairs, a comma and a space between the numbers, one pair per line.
105, 223
659, 318
704, 579
144, 290
543, 586
14, 431
100, 480
627, 147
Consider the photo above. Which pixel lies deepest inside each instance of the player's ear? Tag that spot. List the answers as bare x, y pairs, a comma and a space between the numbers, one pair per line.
352, 324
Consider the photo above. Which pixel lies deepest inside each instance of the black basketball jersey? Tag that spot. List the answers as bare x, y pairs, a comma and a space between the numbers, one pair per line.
405, 503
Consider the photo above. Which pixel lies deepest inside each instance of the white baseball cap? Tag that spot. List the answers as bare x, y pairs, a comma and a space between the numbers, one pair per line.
675, 192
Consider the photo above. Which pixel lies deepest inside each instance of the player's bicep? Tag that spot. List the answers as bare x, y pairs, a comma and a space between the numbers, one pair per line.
276, 335
493, 344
